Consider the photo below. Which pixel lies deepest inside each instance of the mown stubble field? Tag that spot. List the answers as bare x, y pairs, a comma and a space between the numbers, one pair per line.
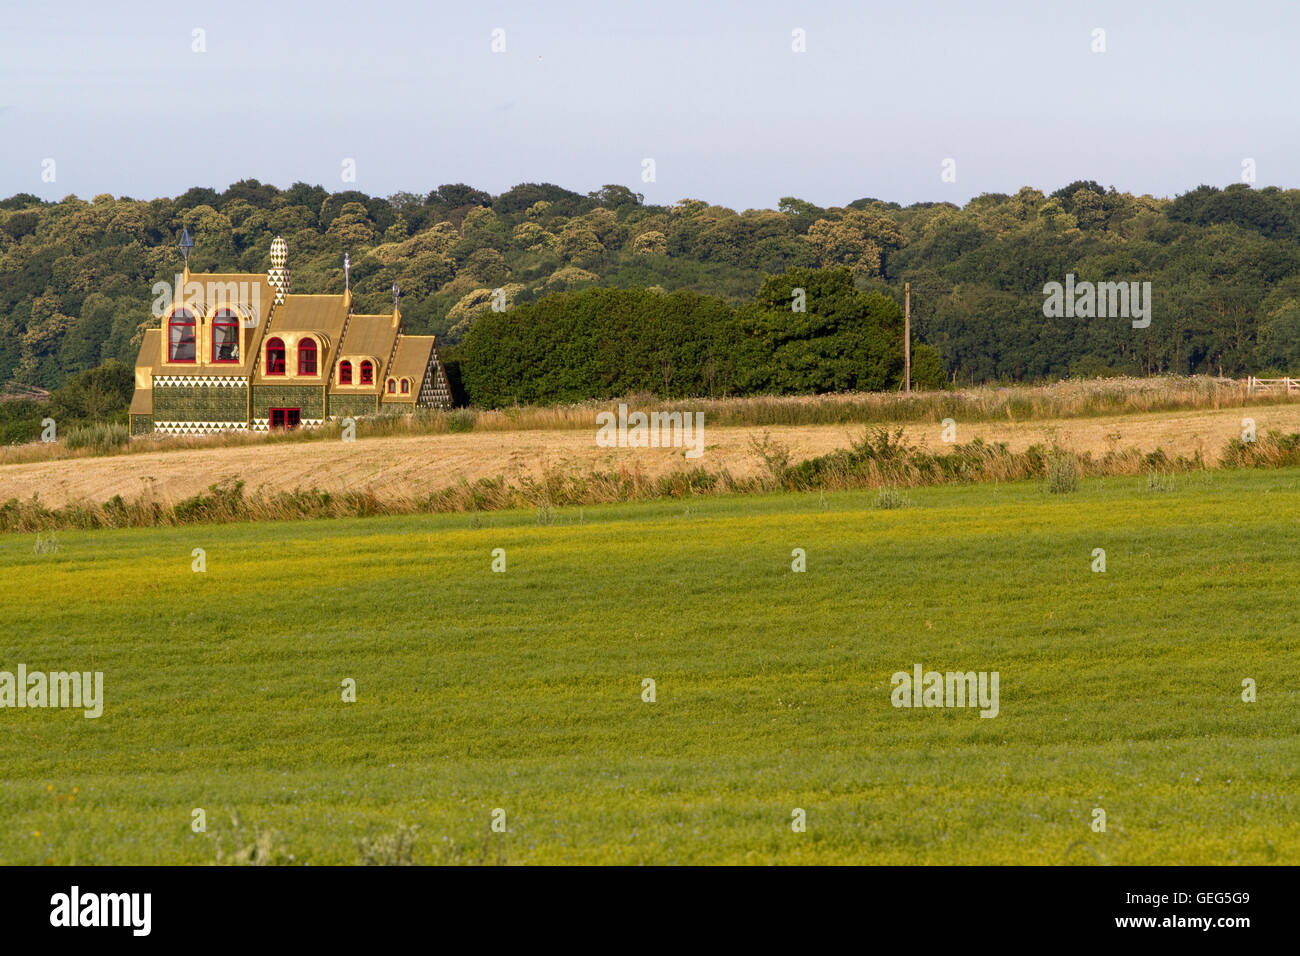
417, 464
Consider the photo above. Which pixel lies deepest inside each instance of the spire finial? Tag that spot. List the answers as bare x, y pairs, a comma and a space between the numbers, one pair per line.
347, 272
397, 294
278, 275
186, 244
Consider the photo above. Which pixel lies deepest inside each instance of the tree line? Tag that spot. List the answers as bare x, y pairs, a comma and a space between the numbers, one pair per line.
807, 331
76, 275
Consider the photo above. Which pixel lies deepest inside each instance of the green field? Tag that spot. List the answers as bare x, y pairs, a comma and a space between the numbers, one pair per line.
522, 690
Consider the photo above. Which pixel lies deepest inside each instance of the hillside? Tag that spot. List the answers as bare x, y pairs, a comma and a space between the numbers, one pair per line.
77, 276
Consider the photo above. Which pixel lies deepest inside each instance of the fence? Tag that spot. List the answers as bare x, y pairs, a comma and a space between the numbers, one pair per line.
1287, 385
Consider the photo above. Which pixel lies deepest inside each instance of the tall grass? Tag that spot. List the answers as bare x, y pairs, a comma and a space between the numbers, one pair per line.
879, 459
1073, 398
100, 438
1274, 450
890, 498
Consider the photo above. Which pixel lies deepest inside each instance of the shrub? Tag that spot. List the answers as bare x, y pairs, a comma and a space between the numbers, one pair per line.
100, 437
773, 456
461, 420
1062, 473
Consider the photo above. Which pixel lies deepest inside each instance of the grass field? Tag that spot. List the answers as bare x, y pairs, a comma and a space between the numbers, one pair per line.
522, 690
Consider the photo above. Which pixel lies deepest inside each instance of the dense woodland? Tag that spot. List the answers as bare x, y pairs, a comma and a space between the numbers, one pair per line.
76, 279
601, 343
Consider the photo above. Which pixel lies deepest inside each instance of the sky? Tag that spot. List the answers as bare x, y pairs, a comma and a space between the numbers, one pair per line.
923, 100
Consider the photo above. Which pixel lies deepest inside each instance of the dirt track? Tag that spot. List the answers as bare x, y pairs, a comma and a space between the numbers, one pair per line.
428, 462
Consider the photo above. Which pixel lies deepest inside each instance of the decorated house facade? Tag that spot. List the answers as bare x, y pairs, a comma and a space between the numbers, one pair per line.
239, 351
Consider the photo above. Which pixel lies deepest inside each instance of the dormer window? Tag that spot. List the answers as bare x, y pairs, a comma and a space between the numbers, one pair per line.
307, 357
345, 372
392, 386
406, 386
367, 373
181, 340
275, 356
225, 337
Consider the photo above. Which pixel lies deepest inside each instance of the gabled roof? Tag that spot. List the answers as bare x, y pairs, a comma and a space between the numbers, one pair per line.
325, 314
321, 316
371, 335
411, 360
250, 286
251, 290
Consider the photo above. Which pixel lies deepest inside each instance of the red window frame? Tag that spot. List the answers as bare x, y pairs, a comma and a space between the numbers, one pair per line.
392, 386
345, 372
192, 339
225, 319
289, 418
307, 357
406, 386
367, 372
274, 351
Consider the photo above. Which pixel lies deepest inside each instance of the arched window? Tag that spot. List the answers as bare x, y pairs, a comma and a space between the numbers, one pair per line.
180, 337
406, 386
225, 337
392, 386
275, 356
367, 373
345, 372
307, 357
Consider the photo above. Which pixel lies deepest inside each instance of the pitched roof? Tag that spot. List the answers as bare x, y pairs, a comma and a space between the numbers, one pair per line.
411, 360
325, 314
148, 350
371, 335
252, 294
141, 402
251, 291
321, 316
142, 397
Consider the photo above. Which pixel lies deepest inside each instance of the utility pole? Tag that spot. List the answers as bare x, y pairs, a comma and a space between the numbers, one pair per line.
907, 337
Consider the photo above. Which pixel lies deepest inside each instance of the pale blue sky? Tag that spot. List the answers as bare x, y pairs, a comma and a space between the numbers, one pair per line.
711, 91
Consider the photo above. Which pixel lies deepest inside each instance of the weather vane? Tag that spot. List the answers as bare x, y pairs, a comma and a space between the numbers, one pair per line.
186, 245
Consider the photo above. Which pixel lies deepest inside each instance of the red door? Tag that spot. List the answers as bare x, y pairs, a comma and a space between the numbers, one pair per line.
286, 417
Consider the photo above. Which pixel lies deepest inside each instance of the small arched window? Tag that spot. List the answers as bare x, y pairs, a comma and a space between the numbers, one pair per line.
367, 373
275, 356
406, 386
345, 372
392, 386
307, 357
180, 337
225, 337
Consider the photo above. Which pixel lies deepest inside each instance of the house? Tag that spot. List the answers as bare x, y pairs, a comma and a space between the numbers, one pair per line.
240, 351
